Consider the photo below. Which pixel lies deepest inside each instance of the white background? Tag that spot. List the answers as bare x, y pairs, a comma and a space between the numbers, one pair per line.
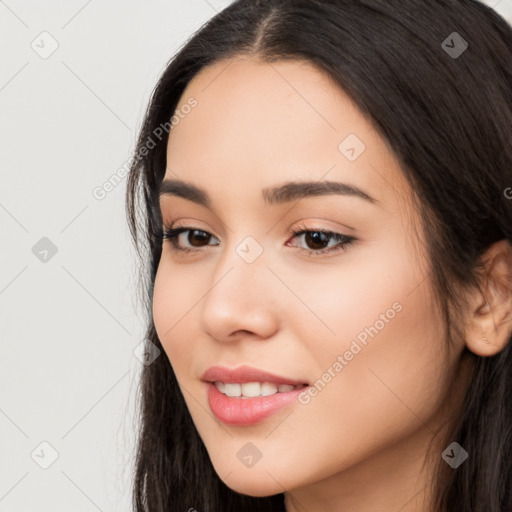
70, 324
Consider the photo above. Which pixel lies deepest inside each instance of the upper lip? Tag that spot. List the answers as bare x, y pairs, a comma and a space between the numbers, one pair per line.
245, 374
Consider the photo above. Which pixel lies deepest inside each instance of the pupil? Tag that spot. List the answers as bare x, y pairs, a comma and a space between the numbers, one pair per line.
193, 233
316, 237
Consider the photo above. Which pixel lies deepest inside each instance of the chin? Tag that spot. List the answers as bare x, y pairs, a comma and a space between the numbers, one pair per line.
258, 484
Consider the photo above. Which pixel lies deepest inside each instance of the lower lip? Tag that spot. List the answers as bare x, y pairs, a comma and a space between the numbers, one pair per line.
247, 411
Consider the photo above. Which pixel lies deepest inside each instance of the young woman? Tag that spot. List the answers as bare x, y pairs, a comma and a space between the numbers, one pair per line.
321, 196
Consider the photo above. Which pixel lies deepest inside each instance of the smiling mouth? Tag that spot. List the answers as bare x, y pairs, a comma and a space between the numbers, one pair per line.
254, 389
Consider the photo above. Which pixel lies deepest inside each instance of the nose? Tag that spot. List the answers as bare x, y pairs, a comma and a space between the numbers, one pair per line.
241, 300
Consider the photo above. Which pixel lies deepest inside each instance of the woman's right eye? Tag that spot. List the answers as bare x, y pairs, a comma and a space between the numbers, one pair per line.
174, 234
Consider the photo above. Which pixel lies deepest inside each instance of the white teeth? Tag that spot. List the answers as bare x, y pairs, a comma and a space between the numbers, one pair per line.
267, 389
253, 389
233, 389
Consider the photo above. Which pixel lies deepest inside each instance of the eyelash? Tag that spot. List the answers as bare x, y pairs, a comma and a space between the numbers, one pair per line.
344, 241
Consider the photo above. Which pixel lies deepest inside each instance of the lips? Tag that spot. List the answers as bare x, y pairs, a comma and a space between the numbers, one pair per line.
246, 374
242, 410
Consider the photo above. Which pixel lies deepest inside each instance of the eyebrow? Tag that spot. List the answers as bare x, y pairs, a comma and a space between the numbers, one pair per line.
280, 194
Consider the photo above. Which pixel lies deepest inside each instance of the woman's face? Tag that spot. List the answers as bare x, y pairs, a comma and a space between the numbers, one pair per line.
355, 322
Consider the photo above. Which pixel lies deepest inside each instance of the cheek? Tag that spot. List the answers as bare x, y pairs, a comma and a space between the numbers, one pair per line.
389, 332
172, 303
372, 292
389, 386
393, 372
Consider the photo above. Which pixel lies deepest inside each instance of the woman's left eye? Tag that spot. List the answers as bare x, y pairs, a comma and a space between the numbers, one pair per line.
317, 239
322, 238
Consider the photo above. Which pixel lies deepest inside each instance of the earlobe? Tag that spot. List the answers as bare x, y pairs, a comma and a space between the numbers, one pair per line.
490, 330
490, 324
485, 347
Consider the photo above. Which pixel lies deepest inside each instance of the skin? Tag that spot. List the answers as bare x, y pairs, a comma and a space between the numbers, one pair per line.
361, 442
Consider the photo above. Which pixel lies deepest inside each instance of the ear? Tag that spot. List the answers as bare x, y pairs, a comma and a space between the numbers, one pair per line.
490, 321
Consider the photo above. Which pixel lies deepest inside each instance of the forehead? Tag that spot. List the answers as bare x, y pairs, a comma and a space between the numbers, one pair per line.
258, 124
